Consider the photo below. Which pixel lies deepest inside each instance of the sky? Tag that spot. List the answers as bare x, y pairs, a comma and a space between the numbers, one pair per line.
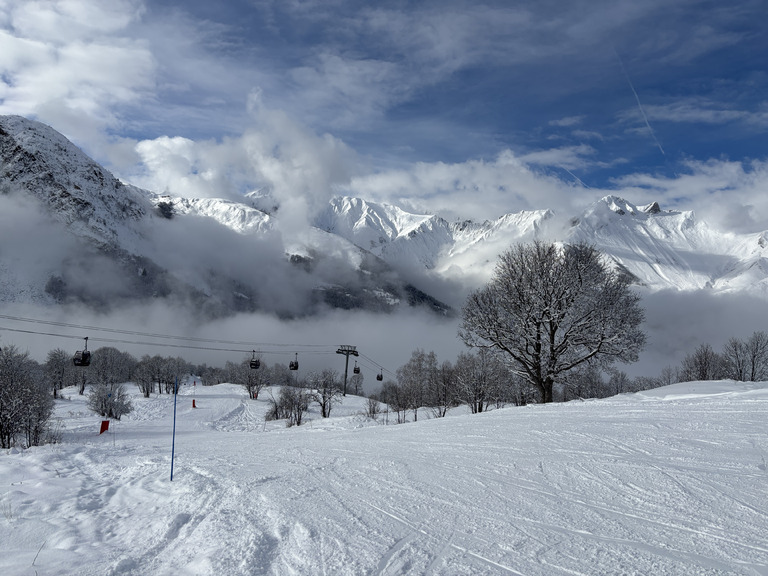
466, 109
463, 109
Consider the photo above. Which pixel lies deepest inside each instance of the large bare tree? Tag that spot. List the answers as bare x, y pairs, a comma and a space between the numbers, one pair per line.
550, 308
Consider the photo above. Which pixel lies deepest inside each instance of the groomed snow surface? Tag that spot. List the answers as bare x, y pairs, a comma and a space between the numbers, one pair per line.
671, 481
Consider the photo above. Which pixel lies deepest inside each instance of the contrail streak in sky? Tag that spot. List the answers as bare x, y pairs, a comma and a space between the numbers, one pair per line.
639, 105
579, 180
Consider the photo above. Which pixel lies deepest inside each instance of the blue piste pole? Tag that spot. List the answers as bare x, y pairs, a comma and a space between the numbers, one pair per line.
173, 442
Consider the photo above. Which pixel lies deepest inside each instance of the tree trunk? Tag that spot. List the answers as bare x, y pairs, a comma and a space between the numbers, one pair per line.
546, 388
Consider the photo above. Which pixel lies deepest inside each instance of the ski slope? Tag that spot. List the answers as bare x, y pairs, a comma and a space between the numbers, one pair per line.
671, 481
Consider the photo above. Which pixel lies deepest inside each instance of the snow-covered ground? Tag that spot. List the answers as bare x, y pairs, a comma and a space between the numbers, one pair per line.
672, 481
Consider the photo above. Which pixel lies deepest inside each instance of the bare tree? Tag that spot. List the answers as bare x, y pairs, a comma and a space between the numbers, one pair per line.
441, 394
110, 365
146, 374
38, 407
586, 381
757, 356
668, 376
416, 377
619, 382
173, 371
372, 408
393, 395
325, 390
25, 404
479, 378
550, 309
703, 364
290, 405
282, 376
356, 382
59, 370
735, 360
254, 379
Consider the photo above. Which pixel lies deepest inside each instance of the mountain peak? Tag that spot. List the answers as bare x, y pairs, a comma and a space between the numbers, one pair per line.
652, 208
618, 205
41, 163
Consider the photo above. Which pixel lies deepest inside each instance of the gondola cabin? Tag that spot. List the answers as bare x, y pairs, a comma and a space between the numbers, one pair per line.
380, 376
356, 369
294, 364
255, 364
82, 358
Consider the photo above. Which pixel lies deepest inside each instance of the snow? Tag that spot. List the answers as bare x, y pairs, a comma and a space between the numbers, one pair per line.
669, 481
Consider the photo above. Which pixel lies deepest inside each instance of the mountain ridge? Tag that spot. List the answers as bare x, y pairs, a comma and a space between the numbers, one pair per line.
229, 256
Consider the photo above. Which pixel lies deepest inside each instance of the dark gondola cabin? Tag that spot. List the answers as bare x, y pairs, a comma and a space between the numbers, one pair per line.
255, 362
380, 376
294, 364
82, 357
356, 369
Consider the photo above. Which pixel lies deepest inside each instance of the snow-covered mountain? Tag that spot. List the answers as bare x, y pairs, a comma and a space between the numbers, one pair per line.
107, 240
672, 249
661, 249
71, 232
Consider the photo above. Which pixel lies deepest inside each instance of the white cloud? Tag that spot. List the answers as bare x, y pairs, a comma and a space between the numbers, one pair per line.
474, 189
728, 194
567, 121
569, 157
301, 169
701, 111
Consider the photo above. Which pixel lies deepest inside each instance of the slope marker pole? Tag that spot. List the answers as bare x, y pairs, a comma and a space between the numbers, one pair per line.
173, 441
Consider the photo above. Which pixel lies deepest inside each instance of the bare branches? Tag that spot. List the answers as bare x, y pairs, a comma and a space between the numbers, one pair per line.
552, 309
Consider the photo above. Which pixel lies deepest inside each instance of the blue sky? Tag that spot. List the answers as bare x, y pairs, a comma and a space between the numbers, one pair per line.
465, 108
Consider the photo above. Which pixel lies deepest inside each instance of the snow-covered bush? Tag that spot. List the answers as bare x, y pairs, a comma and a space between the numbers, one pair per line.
290, 406
109, 400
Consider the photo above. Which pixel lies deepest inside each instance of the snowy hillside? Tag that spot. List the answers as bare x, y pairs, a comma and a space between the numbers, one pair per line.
669, 481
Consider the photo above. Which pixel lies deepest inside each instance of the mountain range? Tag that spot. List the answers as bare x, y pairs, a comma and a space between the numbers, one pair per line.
73, 233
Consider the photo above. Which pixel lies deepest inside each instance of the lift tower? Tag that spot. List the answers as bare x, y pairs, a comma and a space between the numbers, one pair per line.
347, 351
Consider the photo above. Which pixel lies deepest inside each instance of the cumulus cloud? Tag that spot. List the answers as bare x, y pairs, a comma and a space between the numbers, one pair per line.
728, 194
72, 65
474, 189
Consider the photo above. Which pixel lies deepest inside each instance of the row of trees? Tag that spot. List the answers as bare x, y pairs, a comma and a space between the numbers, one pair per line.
743, 360
478, 379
